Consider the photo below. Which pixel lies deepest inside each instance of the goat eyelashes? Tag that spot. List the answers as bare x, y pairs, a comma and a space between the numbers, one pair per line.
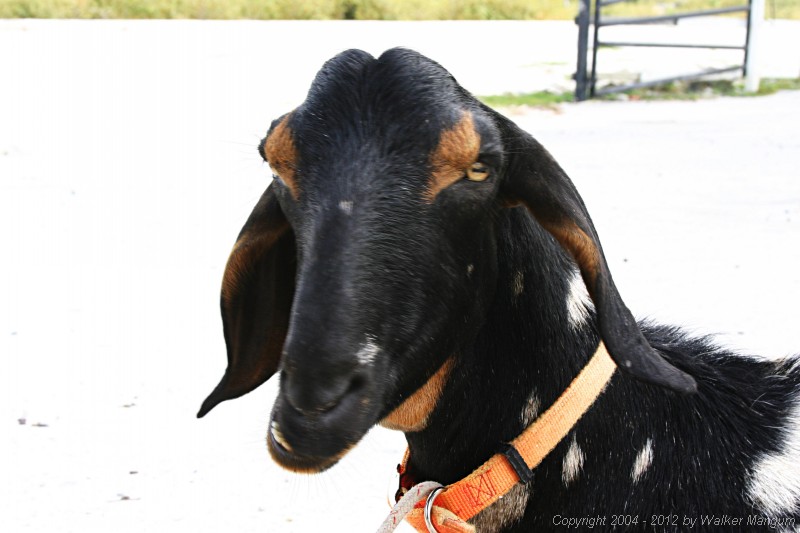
425, 264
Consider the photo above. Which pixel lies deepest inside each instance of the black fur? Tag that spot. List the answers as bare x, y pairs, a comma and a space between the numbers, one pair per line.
388, 286
704, 445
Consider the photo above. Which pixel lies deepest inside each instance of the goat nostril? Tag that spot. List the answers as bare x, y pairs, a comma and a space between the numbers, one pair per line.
318, 410
317, 401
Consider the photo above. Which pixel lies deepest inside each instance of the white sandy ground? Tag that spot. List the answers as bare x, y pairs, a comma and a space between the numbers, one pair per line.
128, 164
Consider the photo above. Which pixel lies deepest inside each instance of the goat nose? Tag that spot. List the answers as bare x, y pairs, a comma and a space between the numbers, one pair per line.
317, 392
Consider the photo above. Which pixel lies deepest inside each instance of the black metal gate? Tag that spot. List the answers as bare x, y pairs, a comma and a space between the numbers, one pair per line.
586, 80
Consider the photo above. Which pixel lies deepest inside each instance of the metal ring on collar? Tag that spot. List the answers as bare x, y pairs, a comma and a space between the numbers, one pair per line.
428, 506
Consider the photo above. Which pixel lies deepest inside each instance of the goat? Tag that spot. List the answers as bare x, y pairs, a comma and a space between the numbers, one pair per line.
421, 262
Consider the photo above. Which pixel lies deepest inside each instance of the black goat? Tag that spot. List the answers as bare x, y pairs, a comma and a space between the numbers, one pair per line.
421, 262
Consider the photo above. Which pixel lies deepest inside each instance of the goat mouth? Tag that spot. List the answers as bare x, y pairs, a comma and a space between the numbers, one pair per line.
283, 454
278, 439
312, 443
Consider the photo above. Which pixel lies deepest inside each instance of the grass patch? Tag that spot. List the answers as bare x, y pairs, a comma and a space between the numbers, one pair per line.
537, 99
292, 9
773, 9
699, 89
771, 86
359, 9
685, 90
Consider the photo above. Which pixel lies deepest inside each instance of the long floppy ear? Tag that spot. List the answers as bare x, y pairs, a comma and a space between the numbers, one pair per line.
533, 178
257, 291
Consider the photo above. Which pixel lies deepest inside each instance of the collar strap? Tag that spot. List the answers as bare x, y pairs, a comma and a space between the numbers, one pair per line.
489, 482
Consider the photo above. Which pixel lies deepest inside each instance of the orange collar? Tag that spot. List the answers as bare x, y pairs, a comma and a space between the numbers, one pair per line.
454, 504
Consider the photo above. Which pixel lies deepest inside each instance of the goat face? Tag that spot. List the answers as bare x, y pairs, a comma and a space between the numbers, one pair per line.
368, 262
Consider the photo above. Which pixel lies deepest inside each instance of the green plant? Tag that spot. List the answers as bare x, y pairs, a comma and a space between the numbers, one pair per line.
359, 9
536, 99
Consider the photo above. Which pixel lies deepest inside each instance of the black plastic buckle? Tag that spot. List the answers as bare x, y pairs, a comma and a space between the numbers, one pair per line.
516, 461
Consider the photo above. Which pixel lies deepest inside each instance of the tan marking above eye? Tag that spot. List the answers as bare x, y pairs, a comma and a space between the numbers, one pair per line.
281, 154
477, 172
454, 156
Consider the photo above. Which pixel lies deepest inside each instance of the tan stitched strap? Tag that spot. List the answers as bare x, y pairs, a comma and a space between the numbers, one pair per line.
496, 477
536, 442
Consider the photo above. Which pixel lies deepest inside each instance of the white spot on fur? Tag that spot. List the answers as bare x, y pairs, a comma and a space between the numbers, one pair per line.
774, 485
346, 206
531, 410
470, 269
643, 461
518, 285
573, 463
579, 303
366, 355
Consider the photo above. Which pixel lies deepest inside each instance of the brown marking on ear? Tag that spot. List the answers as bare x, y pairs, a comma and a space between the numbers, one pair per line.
413, 413
260, 233
255, 300
235, 269
282, 155
582, 248
457, 150
242, 257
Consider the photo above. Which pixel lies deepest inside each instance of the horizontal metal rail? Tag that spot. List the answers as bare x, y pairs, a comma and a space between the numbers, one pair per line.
672, 18
662, 81
668, 45
605, 3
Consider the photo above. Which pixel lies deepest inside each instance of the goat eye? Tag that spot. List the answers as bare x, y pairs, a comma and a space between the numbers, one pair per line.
477, 172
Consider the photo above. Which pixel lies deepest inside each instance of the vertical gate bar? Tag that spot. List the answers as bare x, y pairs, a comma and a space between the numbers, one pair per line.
593, 78
747, 37
582, 20
755, 18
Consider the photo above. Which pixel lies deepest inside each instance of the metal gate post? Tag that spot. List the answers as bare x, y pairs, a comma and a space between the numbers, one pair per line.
755, 17
585, 80
582, 20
